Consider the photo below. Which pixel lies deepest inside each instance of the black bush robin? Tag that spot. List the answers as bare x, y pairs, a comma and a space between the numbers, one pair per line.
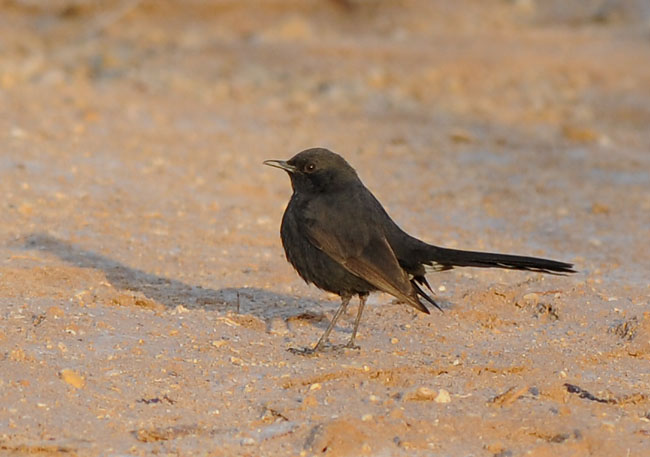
337, 236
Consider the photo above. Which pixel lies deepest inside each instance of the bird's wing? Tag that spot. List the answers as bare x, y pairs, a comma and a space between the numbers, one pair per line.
372, 259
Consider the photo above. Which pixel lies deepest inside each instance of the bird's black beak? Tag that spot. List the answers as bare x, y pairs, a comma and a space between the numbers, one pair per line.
280, 164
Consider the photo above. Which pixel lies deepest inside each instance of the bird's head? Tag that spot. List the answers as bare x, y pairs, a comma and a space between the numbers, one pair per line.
317, 170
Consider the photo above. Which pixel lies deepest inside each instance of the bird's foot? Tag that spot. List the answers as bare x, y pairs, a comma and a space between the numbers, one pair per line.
352, 345
324, 347
303, 351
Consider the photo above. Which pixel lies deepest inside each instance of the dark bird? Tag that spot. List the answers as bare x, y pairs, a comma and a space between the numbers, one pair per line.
337, 236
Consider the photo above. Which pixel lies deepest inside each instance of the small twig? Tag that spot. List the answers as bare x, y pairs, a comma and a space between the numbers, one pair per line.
582, 393
509, 396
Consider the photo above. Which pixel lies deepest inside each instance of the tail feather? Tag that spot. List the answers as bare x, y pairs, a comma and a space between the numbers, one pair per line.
443, 259
423, 294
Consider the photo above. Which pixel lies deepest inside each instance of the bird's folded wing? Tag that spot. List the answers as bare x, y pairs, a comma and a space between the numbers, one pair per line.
373, 261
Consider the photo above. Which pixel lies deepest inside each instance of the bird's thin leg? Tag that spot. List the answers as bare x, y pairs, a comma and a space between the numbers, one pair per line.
345, 300
362, 303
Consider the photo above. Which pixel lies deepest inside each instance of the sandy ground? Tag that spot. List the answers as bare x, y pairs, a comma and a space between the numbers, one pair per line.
146, 305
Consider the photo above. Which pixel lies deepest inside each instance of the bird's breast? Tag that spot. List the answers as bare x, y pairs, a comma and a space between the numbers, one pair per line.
311, 263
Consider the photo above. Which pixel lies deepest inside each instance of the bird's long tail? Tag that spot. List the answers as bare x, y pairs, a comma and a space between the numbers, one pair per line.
444, 259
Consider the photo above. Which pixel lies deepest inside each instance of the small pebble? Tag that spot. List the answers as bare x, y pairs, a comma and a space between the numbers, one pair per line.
443, 396
422, 394
531, 298
73, 378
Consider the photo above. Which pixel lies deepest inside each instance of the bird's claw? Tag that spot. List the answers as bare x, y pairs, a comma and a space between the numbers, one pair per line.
302, 351
324, 347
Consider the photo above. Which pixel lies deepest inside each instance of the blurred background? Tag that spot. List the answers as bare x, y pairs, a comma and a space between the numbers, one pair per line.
140, 117
123, 123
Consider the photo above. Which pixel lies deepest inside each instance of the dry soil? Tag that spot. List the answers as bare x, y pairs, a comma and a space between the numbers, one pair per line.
146, 307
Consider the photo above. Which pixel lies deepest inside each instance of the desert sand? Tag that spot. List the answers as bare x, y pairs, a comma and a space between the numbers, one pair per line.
146, 306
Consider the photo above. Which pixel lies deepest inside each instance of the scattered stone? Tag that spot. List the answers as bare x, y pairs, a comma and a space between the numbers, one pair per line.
427, 394
180, 309
530, 299
73, 378
18, 355
248, 441
236, 361
443, 397
422, 394
226, 320
244, 320
72, 328
137, 299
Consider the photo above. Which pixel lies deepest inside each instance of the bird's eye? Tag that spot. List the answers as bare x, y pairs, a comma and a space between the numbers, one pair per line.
310, 167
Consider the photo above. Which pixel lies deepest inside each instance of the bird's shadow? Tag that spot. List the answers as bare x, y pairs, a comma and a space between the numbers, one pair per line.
169, 292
